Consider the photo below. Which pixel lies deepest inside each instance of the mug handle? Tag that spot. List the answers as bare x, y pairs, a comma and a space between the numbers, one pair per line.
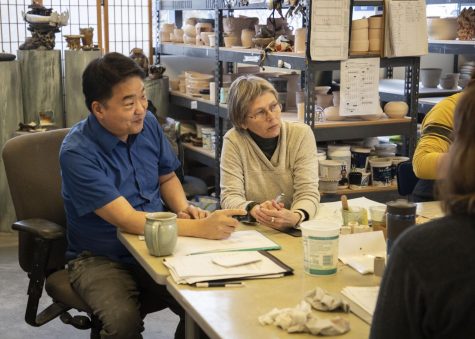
155, 229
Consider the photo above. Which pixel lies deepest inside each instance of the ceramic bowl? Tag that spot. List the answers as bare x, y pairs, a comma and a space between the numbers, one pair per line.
321, 89
332, 113
230, 41
396, 109
430, 77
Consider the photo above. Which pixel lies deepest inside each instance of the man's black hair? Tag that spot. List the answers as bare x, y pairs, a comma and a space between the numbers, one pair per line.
102, 74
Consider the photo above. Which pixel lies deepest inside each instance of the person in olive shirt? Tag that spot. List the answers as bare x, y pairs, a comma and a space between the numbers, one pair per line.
436, 138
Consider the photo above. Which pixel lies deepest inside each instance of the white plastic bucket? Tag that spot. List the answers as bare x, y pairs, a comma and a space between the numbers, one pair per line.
340, 153
320, 246
329, 169
381, 171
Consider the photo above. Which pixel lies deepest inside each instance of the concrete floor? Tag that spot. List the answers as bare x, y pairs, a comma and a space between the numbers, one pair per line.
13, 298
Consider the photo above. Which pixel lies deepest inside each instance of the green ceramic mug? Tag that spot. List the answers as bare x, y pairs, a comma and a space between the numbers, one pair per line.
161, 233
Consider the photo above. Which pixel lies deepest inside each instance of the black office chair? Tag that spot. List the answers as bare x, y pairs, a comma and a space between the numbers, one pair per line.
32, 169
406, 178
192, 186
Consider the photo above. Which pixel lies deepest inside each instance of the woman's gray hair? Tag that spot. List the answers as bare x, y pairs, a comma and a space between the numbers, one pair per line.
243, 91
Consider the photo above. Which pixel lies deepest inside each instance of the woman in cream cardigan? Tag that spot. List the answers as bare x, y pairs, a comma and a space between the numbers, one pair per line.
263, 157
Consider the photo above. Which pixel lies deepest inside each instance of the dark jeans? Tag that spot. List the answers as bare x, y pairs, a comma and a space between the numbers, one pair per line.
120, 295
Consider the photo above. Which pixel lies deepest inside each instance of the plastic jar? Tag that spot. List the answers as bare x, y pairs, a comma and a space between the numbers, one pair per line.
340, 153
320, 245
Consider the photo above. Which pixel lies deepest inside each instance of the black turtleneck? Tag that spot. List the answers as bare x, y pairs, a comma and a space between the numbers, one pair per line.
267, 145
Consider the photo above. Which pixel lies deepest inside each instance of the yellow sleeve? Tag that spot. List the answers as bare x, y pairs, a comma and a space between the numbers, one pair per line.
436, 137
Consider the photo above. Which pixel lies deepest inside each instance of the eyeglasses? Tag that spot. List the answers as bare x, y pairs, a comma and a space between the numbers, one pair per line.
262, 113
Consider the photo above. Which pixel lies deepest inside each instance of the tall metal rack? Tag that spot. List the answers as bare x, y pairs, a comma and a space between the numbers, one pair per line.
323, 131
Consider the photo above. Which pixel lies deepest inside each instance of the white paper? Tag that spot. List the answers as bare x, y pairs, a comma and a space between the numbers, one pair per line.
359, 87
232, 259
239, 240
405, 28
200, 267
329, 30
430, 210
358, 250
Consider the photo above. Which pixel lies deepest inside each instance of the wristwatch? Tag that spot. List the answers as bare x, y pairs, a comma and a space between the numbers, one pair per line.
302, 218
249, 207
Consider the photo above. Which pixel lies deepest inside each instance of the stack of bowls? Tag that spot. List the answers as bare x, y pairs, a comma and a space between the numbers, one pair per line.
465, 73
166, 32
375, 33
195, 82
385, 150
330, 174
359, 42
450, 81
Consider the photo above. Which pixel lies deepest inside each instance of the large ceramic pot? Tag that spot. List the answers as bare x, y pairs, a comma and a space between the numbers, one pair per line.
430, 77
233, 26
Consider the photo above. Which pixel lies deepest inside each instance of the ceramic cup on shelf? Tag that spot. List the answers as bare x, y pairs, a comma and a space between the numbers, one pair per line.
300, 38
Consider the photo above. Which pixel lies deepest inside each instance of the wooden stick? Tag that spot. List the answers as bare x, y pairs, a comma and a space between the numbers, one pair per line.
99, 24
344, 203
106, 26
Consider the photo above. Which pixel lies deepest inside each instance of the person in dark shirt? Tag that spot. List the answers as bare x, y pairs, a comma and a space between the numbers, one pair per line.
116, 167
428, 288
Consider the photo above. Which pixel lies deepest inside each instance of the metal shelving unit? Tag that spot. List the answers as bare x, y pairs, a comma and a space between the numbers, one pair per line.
325, 131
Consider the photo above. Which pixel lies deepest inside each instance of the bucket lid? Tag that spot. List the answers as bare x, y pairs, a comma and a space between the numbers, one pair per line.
361, 149
330, 163
321, 227
402, 207
380, 162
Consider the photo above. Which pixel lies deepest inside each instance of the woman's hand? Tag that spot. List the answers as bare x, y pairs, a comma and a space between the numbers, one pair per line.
274, 215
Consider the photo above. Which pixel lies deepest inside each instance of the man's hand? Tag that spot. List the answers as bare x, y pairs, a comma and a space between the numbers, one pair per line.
220, 224
193, 212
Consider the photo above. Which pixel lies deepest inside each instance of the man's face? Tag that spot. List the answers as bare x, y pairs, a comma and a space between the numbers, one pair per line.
123, 114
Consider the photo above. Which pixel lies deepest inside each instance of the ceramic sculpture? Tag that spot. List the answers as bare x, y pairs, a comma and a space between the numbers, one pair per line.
466, 24
43, 23
140, 58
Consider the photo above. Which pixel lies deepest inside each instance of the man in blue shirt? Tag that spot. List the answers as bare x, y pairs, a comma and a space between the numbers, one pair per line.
117, 166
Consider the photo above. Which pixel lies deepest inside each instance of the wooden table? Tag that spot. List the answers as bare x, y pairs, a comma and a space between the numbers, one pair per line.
233, 312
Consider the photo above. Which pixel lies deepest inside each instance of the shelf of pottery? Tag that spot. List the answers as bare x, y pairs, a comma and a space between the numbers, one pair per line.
241, 44
448, 35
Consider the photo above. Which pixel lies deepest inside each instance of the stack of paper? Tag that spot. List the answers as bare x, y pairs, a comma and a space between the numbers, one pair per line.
221, 266
405, 28
362, 300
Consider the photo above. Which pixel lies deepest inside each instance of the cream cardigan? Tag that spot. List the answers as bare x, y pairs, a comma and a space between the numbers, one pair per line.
247, 175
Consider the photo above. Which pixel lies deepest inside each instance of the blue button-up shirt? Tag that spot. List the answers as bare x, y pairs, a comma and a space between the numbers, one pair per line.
97, 168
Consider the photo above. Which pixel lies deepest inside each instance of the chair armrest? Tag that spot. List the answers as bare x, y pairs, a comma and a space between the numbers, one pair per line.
42, 228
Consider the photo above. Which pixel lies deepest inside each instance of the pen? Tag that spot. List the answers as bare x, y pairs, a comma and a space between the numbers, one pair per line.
220, 284
279, 198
